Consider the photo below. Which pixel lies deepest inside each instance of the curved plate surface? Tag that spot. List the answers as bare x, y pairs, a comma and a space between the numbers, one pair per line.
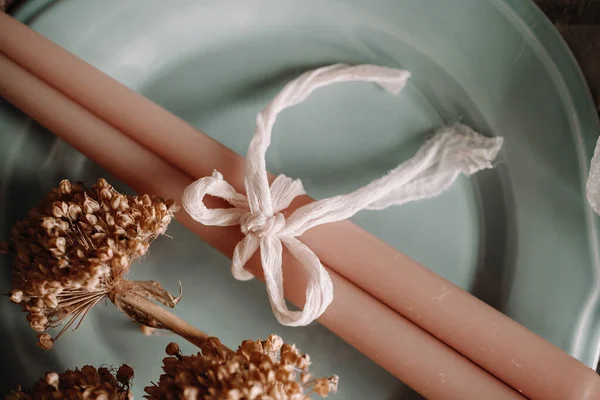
521, 236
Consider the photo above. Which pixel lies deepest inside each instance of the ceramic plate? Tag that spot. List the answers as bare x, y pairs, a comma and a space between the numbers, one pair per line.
520, 237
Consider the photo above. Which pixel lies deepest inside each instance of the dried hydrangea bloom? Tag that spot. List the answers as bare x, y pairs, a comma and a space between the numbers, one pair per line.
76, 248
87, 383
258, 370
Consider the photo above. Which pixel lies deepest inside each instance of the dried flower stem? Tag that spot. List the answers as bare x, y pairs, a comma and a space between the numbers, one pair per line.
160, 317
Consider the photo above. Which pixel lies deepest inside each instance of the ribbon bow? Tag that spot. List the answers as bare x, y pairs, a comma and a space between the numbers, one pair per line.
453, 150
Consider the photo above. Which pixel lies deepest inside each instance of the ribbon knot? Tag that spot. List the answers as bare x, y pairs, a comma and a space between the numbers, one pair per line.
261, 224
453, 150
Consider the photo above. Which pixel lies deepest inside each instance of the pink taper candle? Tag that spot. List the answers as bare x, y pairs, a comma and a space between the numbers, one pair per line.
415, 357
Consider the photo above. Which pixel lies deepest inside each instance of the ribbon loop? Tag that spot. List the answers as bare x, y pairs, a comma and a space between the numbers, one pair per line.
452, 151
193, 201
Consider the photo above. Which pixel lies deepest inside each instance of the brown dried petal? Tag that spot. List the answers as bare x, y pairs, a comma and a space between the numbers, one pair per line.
190, 393
45, 341
52, 377
16, 296
65, 187
90, 205
59, 244
105, 254
74, 211
49, 223
59, 209
110, 220
105, 194
146, 200
91, 219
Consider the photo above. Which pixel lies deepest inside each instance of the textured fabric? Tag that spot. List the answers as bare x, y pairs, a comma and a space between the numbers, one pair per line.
593, 182
452, 151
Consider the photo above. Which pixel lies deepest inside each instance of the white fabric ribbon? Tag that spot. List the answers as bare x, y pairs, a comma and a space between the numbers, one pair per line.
453, 150
593, 181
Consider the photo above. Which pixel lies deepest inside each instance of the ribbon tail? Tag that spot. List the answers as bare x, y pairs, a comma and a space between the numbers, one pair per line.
241, 254
319, 288
453, 151
271, 257
424, 188
593, 181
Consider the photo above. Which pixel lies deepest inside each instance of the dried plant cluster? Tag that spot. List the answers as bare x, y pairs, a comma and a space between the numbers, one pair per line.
76, 248
87, 383
258, 370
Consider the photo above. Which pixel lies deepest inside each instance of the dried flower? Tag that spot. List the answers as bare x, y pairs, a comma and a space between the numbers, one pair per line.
77, 247
258, 370
87, 383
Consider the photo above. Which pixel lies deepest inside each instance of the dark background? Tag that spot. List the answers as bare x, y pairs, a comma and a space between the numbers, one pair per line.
579, 23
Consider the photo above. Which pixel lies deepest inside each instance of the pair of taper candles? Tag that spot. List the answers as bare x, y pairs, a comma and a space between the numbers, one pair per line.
385, 303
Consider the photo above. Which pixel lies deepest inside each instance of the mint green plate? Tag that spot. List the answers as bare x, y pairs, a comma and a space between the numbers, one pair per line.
521, 236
